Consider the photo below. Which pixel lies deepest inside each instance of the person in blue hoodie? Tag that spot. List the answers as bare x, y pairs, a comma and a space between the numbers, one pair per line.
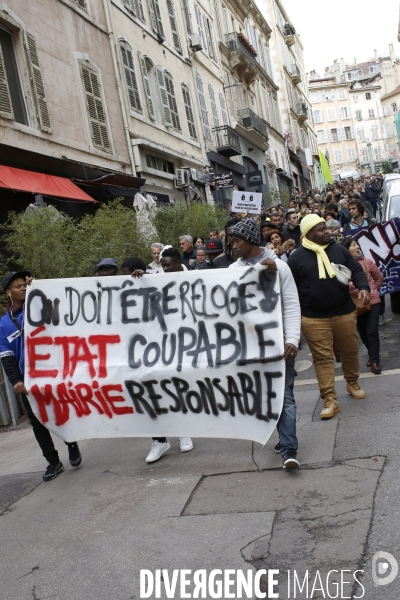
12, 355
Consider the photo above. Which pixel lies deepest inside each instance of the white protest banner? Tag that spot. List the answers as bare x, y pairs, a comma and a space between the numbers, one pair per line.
246, 202
177, 354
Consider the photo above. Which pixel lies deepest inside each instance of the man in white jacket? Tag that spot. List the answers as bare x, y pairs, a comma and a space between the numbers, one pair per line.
245, 238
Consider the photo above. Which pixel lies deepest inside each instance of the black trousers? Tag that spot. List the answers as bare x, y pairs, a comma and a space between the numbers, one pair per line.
42, 435
368, 327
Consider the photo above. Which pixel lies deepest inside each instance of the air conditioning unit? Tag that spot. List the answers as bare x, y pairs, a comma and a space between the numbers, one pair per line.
195, 42
182, 178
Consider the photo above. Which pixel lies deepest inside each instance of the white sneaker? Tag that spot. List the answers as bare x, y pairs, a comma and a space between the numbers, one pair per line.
157, 450
186, 444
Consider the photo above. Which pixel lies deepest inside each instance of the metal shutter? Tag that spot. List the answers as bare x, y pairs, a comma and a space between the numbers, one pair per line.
189, 111
130, 77
37, 82
94, 103
147, 88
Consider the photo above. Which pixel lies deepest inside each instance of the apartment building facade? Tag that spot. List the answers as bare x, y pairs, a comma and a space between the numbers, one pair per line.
391, 119
60, 109
301, 149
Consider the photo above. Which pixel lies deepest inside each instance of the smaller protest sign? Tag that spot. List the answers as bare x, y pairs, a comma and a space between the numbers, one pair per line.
246, 202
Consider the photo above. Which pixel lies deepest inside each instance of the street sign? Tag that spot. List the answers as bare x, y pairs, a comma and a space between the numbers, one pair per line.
246, 202
254, 178
222, 181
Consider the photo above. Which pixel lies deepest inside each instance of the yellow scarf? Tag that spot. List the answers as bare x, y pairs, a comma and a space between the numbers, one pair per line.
322, 257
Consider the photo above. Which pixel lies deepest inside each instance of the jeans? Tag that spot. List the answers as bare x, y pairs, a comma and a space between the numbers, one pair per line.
368, 328
321, 334
42, 435
287, 421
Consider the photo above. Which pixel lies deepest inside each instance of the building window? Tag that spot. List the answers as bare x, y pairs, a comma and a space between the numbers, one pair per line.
224, 113
95, 108
349, 75
331, 114
360, 73
136, 8
388, 130
162, 90
320, 136
200, 27
378, 153
338, 157
210, 38
147, 86
169, 85
328, 95
174, 26
37, 82
345, 113
374, 133
351, 154
159, 164
394, 107
318, 116
130, 77
315, 97
359, 115
355, 97
189, 111
361, 134
334, 135
203, 108
349, 133
368, 96
11, 97
371, 113
156, 20
342, 94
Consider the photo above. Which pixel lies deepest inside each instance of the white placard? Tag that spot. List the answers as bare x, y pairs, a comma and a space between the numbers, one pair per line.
246, 202
177, 354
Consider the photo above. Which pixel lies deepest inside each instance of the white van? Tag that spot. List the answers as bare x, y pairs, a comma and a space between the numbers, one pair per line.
390, 208
388, 181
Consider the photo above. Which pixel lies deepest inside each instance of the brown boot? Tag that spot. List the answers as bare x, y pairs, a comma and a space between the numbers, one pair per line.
375, 368
331, 407
355, 390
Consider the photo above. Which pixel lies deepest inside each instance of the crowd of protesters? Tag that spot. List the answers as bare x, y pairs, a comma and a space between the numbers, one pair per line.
329, 290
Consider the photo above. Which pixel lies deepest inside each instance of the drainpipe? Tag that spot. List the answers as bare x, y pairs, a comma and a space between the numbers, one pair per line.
110, 34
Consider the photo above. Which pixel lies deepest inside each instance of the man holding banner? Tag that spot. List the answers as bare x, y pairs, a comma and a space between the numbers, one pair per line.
245, 246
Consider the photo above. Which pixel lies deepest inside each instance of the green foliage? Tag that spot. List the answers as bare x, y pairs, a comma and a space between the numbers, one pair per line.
52, 245
386, 168
197, 219
276, 196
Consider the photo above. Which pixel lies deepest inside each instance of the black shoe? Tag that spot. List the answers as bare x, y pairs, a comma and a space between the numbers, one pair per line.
338, 357
52, 471
277, 448
290, 461
75, 457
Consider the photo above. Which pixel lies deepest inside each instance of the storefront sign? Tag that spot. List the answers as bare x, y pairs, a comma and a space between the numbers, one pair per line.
222, 181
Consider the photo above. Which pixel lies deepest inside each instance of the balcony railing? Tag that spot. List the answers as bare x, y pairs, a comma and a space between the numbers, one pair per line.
250, 120
235, 43
302, 110
294, 70
228, 143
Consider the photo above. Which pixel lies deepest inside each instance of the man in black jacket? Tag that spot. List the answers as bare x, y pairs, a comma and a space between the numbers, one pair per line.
328, 314
292, 229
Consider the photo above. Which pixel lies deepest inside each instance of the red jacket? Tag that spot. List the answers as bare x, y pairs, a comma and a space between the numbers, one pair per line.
375, 280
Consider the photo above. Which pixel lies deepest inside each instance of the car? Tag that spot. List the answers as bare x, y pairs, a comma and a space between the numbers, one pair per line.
390, 207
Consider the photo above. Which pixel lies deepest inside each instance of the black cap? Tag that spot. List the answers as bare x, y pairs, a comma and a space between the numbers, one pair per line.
215, 245
267, 222
9, 278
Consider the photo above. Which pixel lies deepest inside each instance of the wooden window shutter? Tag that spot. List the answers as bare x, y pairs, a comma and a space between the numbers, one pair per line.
189, 111
213, 105
169, 85
140, 11
146, 85
6, 109
200, 27
163, 96
95, 107
156, 17
130, 77
222, 103
203, 108
174, 26
130, 5
81, 4
37, 83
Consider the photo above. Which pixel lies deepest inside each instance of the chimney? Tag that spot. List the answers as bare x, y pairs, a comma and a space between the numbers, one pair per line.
376, 54
342, 67
391, 52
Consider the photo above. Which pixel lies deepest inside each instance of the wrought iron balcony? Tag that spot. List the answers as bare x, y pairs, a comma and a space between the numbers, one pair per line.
302, 111
242, 56
295, 73
228, 143
250, 120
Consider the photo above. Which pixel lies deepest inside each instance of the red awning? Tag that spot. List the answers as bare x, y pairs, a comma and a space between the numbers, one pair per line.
38, 183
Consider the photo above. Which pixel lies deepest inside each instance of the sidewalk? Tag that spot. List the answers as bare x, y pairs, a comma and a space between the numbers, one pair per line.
225, 505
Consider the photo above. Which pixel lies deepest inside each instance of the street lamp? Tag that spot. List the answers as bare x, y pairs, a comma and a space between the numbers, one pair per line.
371, 158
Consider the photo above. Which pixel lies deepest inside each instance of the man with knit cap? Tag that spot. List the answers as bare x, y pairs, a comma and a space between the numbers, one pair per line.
328, 314
245, 240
